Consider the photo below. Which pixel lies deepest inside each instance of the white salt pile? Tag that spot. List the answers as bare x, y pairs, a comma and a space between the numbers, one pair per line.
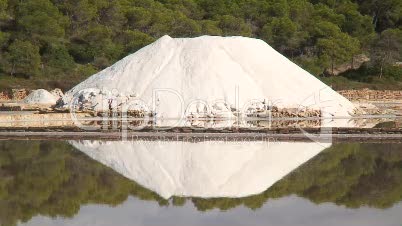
208, 75
42, 97
203, 169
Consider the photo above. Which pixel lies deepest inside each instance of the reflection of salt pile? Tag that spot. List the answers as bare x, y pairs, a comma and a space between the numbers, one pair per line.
210, 70
204, 169
42, 97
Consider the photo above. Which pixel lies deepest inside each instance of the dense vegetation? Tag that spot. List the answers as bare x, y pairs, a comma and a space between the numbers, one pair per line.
59, 42
52, 179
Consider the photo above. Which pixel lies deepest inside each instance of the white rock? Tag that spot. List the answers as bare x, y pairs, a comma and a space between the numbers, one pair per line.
40, 96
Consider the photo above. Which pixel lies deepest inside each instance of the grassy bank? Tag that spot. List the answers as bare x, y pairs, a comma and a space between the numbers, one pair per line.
364, 77
342, 83
45, 82
8, 83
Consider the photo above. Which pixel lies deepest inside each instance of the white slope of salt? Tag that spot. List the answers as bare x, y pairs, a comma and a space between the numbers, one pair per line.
40, 96
205, 169
210, 69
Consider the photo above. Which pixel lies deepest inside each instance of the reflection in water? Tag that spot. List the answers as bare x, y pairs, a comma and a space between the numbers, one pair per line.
53, 179
203, 169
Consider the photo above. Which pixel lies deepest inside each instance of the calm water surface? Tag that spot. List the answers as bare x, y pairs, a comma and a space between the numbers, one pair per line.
177, 183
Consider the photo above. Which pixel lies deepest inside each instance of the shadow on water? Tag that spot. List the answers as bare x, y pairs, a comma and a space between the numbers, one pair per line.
52, 178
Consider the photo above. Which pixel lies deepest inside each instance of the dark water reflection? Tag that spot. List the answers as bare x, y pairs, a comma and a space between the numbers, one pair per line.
52, 183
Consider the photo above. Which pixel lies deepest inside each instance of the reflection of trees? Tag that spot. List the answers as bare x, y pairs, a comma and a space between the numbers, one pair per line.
352, 175
50, 178
53, 179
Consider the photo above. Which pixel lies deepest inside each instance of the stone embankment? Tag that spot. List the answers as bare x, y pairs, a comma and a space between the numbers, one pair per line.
376, 102
363, 94
372, 95
371, 101
14, 95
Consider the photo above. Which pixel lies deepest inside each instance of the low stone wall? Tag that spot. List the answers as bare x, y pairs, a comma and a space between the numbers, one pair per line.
372, 95
14, 95
19, 94
5, 96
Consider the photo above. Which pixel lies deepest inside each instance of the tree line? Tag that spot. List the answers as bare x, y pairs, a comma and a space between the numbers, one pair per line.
79, 37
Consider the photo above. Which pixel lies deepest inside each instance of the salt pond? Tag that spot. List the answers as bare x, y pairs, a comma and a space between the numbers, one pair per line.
82, 183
